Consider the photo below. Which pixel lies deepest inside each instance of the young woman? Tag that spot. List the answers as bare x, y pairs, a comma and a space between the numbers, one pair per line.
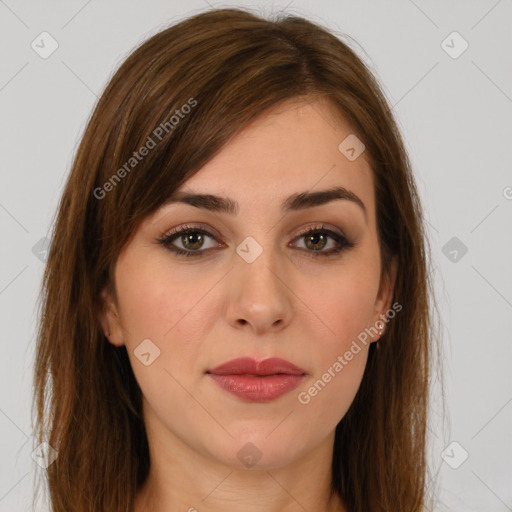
236, 310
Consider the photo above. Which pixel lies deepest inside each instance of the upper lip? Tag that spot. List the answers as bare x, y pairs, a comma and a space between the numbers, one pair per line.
250, 366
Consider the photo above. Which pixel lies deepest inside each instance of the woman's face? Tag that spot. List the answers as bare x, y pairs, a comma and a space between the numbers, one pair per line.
255, 286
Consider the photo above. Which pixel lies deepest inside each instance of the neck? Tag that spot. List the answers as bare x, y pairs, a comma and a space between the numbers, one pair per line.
181, 478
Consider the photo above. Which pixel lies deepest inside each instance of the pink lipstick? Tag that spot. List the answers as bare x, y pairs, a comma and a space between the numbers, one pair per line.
257, 381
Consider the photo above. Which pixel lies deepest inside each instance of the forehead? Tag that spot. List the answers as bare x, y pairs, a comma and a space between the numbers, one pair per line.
293, 147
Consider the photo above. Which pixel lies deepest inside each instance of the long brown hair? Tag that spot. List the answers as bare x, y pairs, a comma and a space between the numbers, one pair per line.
227, 66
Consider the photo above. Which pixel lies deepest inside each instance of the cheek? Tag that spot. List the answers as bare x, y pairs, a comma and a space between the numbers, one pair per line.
170, 310
156, 301
341, 353
340, 356
343, 308
326, 398
173, 310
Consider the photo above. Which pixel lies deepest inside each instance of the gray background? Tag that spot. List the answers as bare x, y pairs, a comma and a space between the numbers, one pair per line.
455, 114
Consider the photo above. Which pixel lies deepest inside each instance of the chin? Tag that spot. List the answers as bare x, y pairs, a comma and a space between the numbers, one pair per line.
256, 451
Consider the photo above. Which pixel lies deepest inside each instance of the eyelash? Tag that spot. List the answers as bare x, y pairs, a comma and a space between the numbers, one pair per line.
167, 240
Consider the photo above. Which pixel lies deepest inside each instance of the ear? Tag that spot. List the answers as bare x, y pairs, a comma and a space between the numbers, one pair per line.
384, 298
109, 319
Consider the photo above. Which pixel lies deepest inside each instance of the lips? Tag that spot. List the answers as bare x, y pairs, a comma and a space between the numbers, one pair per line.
257, 381
249, 366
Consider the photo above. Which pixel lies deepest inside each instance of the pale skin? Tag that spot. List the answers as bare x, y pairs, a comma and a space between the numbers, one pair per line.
203, 311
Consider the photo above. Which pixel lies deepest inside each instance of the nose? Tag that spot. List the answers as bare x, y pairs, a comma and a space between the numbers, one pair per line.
260, 297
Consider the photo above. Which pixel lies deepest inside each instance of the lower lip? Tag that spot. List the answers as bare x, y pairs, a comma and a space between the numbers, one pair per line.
260, 388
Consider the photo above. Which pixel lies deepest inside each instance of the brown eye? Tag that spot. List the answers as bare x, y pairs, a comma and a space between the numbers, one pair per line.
317, 239
192, 240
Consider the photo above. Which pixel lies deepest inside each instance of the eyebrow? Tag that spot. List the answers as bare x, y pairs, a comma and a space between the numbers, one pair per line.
296, 202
